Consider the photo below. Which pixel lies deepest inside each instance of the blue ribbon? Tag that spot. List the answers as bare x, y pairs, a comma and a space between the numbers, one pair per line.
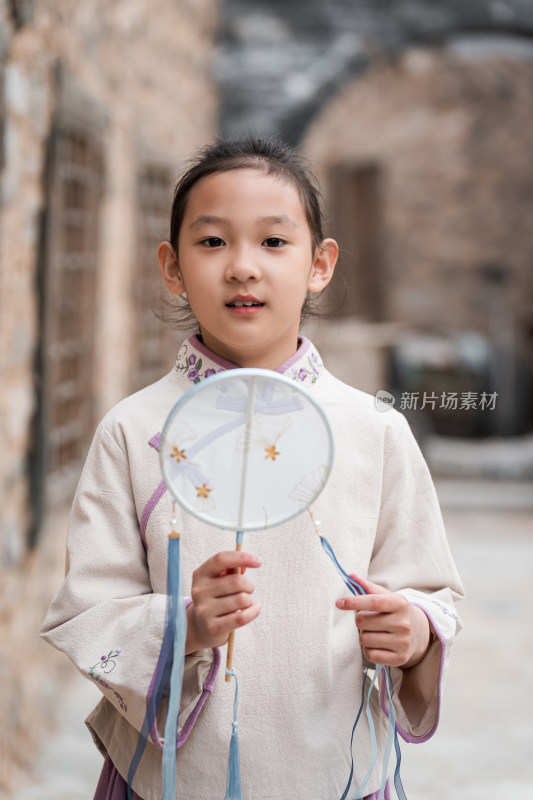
392, 734
179, 621
167, 678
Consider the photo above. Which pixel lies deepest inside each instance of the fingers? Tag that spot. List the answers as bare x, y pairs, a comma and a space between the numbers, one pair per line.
230, 571
227, 561
389, 658
379, 612
387, 602
221, 606
206, 589
389, 646
229, 622
384, 621
221, 599
212, 630
230, 584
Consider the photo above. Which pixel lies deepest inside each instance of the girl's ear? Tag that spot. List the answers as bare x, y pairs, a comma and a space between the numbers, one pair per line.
170, 269
323, 265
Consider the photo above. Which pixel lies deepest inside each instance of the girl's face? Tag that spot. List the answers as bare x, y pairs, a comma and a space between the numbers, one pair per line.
246, 261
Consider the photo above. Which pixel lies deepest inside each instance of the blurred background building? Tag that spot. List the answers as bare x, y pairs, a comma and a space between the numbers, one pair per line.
418, 119
99, 104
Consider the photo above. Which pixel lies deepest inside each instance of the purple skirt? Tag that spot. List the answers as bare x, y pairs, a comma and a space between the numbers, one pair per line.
112, 786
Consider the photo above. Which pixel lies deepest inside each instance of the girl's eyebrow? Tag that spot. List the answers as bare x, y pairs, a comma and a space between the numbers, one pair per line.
207, 220
279, 219
272, 219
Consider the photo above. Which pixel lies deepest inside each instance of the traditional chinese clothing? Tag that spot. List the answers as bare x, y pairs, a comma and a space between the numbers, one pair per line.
299, 664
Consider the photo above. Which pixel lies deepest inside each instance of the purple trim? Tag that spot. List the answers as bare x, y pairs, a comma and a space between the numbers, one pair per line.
195, 342
155, 441
383, 692
305, 344
149, 507
206, 691
208, 688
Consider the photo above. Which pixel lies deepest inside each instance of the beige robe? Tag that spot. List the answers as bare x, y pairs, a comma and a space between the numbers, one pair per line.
299, 665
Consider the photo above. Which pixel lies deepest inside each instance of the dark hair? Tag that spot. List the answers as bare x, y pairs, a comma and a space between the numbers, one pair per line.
271, 156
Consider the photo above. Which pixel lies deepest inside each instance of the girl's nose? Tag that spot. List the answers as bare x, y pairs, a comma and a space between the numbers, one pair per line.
242, 265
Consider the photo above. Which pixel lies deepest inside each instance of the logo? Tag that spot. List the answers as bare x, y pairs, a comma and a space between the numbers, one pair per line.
384, 400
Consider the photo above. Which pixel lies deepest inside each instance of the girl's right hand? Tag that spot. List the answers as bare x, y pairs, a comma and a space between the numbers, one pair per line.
221, 600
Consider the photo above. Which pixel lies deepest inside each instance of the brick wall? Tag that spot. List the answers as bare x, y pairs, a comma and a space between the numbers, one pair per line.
451, 135
139, 75
448, 133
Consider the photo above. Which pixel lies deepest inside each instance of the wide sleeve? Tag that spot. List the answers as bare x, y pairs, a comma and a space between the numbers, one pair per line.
106, 617
411, 554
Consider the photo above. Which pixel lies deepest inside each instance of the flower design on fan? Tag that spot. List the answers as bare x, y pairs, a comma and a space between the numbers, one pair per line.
264, 432
271, 452
178, 454
203, 502
310, 486
180, 436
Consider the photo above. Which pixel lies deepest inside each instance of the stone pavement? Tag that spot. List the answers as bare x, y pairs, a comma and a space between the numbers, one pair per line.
69, 765
484, 746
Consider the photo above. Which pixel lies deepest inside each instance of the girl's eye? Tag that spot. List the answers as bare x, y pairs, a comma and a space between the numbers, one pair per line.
273, 241
213, 241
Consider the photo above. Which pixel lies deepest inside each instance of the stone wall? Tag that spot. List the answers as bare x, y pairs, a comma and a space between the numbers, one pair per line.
144, 69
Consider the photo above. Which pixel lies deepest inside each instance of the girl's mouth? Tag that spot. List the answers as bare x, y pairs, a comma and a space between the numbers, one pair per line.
244, 306
239, 304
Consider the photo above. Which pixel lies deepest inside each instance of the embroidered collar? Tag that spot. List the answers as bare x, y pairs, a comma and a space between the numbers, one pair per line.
195, 362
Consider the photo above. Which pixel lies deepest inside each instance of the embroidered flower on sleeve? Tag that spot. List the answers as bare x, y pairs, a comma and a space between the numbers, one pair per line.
106, 665
121, 702
107, 662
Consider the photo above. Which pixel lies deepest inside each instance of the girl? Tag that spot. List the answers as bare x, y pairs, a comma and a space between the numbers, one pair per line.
246, 248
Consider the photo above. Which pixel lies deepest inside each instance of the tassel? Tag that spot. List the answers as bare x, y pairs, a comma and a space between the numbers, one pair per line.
168, 676
233, 781
178, 626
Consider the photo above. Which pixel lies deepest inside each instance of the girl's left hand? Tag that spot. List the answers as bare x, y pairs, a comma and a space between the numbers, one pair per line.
391, 630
